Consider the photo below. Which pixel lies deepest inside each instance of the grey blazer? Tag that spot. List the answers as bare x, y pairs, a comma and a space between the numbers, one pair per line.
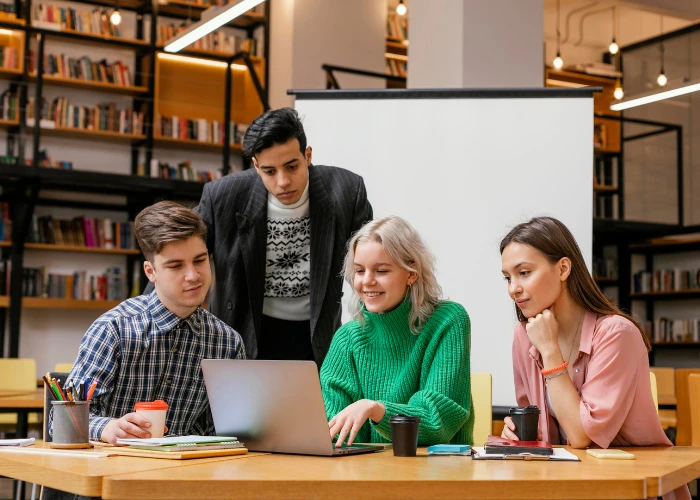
235, 211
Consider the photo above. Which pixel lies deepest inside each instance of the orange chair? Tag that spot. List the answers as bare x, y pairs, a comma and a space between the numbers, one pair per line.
683, 429
694, 392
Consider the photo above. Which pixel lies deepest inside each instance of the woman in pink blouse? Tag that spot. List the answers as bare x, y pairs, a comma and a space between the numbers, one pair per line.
576, 356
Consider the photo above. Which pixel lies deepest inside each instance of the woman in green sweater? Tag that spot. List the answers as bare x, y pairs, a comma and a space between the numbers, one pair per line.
405, 352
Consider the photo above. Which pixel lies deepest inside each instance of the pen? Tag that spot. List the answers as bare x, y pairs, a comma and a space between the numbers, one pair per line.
54, 386
81, 391
92, 389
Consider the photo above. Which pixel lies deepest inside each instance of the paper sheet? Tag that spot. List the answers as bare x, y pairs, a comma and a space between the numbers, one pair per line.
17, 442
559, 454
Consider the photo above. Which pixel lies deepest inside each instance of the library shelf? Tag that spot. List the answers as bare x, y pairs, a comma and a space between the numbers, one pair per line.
79, 133
81, 36
90, 85
396, 44
44, 303
4, 301
602, 280
160, 140
676, 345
8, 123
193, 10
15, 21
601, 188
213, 54
667, 245
676, 294
75, 248
5, 243
10, 73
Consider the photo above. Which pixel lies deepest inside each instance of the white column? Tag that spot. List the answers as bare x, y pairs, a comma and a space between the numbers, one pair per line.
475, 43
304, 34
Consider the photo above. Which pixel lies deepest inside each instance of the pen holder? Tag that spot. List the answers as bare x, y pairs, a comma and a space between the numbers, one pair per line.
71, 424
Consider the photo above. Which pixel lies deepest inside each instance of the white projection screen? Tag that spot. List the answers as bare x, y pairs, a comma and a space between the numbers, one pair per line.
463, 167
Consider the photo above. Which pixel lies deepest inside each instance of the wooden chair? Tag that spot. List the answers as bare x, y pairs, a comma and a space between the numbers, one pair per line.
481, 404
17, 374
63, 368
654, 391
683, 432
694, 392
666, 395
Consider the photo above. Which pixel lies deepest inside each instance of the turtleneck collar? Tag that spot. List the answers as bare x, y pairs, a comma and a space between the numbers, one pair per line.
304, 198
396, 320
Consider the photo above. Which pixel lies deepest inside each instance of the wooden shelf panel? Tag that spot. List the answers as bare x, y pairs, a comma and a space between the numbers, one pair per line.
187, 52
680, 294
82, 84
10, 73
103, 38
667, 245
15, 21
605, 151
606, 281
675, 345
42, 303
600, 188
73, 248
5, 243
4, 301
192, 144
79, 133
8, 123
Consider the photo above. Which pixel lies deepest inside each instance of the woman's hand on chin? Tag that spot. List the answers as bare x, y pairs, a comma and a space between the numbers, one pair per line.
348, 422
543, 332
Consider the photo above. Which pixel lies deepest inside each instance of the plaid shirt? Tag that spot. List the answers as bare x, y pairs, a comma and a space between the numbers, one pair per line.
141, 351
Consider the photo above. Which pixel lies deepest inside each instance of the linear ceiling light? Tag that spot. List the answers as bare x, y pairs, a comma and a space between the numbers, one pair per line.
657, 95
212, 19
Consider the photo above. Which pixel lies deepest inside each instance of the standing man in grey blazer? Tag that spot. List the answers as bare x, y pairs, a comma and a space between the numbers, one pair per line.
278, 235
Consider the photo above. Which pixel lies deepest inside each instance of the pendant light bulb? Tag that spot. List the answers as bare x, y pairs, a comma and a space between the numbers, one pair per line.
558, 62
618, 93
614, 48
662, 80
401, 9
116, 17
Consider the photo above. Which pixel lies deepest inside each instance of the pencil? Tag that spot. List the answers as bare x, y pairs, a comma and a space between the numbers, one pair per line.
92, 389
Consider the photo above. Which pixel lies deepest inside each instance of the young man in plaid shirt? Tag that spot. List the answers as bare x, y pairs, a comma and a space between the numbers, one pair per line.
151, 347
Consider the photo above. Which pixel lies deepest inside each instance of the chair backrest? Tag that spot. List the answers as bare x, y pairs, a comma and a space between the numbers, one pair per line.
481, 403
683, 436
654, 391
665, 384
63, 367
62, 376
694, 392
17, 374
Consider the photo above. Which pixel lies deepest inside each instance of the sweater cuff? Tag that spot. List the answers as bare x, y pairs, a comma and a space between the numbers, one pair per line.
383, 427
97, 425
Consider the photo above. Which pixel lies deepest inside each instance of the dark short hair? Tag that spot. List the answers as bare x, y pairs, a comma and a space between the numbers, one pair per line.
164, 222
273, 127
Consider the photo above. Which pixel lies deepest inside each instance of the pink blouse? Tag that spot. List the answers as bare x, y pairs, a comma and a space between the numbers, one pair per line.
611, 374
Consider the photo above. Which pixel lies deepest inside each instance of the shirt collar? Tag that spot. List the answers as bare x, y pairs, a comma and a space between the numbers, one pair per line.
164, 320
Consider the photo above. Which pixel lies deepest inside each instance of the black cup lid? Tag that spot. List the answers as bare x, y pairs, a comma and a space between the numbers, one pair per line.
525, 410
404, 419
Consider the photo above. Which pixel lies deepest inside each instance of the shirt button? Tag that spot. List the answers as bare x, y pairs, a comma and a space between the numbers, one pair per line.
229, 306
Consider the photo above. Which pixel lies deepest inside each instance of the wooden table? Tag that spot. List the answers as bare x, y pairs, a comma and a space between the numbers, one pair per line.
82, 475
22, 403
383, 476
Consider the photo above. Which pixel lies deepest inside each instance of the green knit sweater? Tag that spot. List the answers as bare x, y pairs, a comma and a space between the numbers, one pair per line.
424, 375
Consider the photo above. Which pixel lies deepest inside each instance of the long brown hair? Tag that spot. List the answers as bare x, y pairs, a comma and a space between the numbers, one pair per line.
555, 241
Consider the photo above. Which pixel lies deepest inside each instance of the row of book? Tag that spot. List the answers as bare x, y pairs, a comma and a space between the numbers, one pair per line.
8, 57
5, 222
104, 117
397, 26
38, 282
95, 21
198, 129
673, 330
604, 267
83, 232
182, 171
9, 105
605, 170
607, 207
666, 280
83, 68
217, 41
394, 67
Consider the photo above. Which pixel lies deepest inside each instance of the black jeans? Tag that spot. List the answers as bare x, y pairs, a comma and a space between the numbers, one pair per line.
283, 339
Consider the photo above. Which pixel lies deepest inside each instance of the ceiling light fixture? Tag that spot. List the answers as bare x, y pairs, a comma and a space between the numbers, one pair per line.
686, 87
661, 79
401, 8
213, 18
558, 62
618, 93
116, 17
613, 48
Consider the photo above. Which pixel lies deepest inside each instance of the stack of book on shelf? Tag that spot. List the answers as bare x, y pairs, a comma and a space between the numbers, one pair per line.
182, 171
7, 11
666, 280
104, 117
198, 129
217, 41
46, 161
5, 223
83, 68
604, 267
664, 330
8, 57
53, 17
38, 282
396, 26
9, 105
83, 232
395, 67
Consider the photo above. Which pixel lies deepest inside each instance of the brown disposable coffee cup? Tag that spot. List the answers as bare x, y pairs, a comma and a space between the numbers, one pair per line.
526, 419
404, 435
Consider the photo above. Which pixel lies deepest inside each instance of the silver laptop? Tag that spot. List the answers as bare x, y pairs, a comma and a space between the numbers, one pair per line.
273, 406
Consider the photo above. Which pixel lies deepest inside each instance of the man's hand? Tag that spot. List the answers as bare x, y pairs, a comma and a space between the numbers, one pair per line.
127, 427
347, 423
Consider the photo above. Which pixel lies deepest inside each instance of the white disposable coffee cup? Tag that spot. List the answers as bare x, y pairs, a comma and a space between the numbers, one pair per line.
154, 412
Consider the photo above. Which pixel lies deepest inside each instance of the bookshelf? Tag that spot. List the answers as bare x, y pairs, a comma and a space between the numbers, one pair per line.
160, 84
396, 51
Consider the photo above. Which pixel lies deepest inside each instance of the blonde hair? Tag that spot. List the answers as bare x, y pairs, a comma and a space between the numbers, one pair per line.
405, 247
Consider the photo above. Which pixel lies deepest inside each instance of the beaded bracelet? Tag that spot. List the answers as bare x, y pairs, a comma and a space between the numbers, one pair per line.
554, 375
556, 368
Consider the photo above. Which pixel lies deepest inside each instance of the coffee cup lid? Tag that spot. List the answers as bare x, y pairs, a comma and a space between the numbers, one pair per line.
158, 404
404, 419
525, 410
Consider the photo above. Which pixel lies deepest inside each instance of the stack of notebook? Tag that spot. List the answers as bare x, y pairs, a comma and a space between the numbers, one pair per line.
180, 447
